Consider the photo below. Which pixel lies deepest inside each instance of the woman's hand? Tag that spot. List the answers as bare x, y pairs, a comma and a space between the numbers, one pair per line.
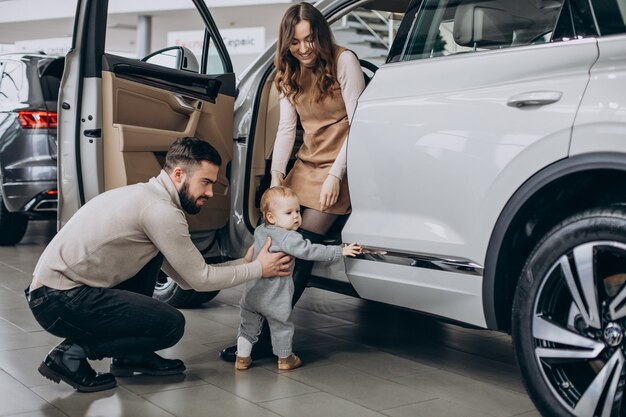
277, 179
330, 192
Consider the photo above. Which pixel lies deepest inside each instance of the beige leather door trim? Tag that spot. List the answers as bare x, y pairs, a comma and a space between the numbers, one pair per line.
145, 139
140, 122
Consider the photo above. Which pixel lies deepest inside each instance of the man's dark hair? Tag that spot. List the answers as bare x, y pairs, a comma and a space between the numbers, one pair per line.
188, 152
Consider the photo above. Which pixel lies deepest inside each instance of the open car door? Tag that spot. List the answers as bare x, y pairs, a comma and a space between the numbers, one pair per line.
119, 113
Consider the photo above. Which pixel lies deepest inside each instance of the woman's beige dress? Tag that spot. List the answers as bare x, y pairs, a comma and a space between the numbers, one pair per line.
325, 125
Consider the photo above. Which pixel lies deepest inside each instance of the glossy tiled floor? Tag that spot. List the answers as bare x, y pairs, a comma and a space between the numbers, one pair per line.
360, 359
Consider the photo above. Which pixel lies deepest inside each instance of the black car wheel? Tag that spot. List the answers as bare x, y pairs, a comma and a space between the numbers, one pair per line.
168, 291
12, 226
569, 316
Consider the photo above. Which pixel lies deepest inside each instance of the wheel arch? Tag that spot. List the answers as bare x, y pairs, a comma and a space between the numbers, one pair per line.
558, 191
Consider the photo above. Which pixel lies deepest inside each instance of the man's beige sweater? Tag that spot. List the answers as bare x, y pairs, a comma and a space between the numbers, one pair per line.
116, 233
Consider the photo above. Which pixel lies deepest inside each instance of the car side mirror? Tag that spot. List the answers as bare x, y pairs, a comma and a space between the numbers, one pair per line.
177, 57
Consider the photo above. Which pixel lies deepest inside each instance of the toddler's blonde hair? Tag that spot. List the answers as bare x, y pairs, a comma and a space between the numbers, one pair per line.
270, 195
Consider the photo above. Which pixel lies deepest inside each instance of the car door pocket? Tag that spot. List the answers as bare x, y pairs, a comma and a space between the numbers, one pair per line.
534, 98
147, 139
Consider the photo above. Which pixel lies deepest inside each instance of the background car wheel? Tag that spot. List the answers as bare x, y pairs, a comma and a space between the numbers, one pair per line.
169, 292
569, 317
12, 226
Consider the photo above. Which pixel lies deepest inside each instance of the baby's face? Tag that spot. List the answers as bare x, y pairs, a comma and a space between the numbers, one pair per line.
286, 213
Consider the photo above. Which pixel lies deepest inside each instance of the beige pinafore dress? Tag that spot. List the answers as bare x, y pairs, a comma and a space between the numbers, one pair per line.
325, 125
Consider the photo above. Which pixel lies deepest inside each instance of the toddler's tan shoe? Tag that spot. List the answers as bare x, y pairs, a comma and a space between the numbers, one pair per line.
243, 363
289, 363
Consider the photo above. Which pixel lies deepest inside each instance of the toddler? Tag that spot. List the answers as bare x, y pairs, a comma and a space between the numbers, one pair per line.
270, 298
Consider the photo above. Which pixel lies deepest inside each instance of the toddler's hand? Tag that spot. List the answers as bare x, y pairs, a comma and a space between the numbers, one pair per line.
352, 249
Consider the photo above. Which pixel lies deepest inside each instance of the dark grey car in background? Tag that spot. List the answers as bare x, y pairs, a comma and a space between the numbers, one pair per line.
29, 88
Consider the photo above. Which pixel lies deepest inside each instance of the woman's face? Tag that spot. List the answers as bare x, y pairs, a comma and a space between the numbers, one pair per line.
302, 46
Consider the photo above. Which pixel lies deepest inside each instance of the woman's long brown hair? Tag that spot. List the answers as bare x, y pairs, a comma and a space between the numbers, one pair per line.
325, 68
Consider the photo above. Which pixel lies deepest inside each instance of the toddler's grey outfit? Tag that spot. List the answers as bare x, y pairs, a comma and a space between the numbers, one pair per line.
270, 298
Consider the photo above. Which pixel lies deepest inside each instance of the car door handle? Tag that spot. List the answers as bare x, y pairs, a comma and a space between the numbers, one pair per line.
534, 98
186, 105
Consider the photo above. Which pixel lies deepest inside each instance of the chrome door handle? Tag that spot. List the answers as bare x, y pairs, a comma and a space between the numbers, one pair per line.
534, 98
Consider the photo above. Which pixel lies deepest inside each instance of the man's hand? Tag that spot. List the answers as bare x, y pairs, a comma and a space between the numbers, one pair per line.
274, 264
249, 254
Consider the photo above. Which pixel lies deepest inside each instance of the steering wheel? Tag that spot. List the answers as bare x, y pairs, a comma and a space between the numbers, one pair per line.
369, 70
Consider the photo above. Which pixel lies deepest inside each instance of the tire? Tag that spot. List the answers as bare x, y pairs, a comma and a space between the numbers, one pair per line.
569, 316
169, 292
12, 226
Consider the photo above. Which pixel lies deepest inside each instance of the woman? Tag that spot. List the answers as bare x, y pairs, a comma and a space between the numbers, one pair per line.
319, 82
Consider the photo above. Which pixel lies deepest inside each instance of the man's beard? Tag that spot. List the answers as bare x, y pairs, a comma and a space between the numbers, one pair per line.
186, 200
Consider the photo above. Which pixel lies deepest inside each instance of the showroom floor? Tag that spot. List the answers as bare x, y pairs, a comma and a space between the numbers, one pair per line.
360, 359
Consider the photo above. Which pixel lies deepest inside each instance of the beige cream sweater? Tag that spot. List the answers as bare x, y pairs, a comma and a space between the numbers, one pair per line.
116, 233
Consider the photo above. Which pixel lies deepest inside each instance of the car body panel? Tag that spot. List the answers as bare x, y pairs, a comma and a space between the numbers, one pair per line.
72, 85
601, 122
470, 163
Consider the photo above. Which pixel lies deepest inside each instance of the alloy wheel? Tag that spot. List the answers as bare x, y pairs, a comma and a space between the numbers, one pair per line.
578, 324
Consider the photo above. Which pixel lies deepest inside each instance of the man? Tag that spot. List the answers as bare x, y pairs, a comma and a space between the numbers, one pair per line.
94, 281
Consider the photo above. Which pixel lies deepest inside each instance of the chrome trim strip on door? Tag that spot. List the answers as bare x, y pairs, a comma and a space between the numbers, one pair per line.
422, 260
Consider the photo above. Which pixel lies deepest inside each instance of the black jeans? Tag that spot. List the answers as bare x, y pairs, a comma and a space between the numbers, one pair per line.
111, 322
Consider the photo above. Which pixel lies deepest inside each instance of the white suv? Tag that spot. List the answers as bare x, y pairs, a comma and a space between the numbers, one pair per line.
487, 166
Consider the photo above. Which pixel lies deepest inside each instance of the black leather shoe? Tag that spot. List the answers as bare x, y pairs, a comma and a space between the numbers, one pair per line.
85, 379
259, 351
151, 364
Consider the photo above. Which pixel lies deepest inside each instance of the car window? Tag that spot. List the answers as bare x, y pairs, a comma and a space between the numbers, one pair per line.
13, 85
576, 21
447, 27
51, 74
137, 36
610, 15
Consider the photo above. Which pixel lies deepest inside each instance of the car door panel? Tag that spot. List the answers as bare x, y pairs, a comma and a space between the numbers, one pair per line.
476, 148
146, 109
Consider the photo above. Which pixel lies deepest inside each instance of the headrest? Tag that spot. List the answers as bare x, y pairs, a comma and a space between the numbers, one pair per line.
477, 24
